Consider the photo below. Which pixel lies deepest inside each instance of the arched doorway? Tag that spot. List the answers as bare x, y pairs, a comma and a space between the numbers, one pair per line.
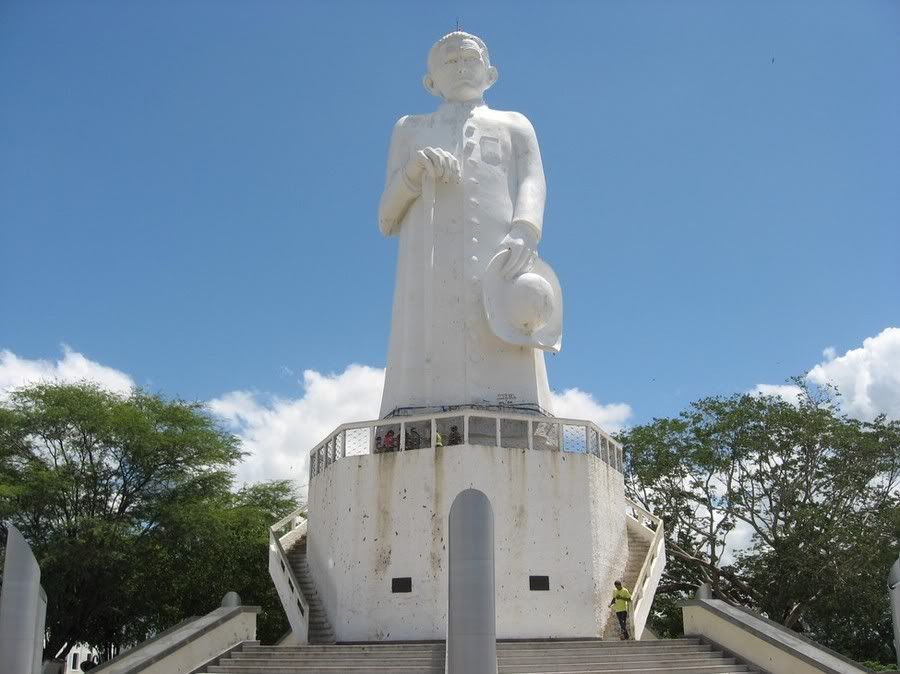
471, 617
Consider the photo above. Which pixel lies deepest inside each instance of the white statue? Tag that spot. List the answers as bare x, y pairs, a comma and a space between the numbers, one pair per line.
474, 308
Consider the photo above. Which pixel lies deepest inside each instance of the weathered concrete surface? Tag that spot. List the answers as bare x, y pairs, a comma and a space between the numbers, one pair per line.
375, 517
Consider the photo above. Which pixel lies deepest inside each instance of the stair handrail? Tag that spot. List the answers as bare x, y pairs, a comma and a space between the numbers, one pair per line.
655, 552
289, 591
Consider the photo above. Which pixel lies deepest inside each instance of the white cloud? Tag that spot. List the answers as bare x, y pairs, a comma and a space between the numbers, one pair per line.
574, 403
788, 392
868, 378
72, 367
279, 432
737, 540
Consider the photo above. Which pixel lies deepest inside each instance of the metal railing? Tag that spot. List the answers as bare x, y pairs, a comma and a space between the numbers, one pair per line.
470, 426
649, 527
282, 535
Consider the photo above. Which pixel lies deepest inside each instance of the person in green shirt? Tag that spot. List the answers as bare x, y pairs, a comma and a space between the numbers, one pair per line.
621, 598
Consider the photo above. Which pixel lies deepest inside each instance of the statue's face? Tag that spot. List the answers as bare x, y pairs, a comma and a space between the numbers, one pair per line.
459, 71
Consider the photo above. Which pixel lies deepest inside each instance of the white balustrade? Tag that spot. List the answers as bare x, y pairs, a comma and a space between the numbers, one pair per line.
649, 527
282, 535
465, 426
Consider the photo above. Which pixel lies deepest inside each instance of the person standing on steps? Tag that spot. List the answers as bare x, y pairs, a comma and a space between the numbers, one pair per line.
621, 598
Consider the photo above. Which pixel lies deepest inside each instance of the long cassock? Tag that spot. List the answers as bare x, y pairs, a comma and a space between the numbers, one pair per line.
442, 351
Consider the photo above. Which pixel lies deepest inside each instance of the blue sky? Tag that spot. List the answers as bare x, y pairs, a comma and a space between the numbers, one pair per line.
188, 190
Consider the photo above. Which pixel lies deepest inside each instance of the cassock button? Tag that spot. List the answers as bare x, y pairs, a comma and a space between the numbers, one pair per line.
473, 201
474, 239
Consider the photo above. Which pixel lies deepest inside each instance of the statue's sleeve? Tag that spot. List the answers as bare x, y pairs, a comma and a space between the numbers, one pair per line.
398, 192
532, 191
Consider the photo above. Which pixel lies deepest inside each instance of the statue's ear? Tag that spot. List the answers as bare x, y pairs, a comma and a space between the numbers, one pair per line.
493, 76
428, 83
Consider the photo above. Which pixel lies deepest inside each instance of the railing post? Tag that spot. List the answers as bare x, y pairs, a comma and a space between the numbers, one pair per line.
530, 431
433, 432
402, 436
497, 431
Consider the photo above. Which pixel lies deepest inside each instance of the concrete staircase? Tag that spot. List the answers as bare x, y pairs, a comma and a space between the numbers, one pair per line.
383, 658
638, 550
320, 629
675, 656
678, 656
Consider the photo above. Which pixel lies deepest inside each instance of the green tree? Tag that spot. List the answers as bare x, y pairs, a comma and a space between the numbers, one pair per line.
201, 551
127, 501
788, 508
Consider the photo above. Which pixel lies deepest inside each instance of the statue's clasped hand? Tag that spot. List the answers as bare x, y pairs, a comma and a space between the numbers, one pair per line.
521, 243
437, 163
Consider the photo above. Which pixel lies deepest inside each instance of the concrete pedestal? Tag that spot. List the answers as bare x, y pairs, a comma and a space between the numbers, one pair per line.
377, 518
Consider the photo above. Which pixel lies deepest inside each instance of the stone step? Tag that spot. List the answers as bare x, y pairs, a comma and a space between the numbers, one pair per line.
638, 668
341, 649
399, 656
372, 668
364, 660
598, 644
614, 661
631, 665
689, 651
665, 658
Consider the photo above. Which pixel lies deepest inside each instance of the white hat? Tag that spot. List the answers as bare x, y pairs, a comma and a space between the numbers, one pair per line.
526, 310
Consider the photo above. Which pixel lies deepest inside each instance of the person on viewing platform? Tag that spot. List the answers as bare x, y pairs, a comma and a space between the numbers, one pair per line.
389, 442
621, 598
455, 437
438, 439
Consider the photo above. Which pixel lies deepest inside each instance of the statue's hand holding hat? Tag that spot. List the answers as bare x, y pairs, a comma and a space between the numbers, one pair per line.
527, 309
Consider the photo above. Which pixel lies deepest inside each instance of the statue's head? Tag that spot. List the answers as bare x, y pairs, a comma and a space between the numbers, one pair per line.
459, 68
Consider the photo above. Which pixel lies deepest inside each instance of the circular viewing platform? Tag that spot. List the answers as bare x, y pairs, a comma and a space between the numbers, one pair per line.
466, 425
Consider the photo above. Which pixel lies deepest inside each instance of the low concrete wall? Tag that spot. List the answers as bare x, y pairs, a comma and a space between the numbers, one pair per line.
761, 642
376, 517
23, 607
188, 645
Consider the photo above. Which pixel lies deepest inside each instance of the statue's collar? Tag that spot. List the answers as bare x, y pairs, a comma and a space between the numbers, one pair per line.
454, 110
